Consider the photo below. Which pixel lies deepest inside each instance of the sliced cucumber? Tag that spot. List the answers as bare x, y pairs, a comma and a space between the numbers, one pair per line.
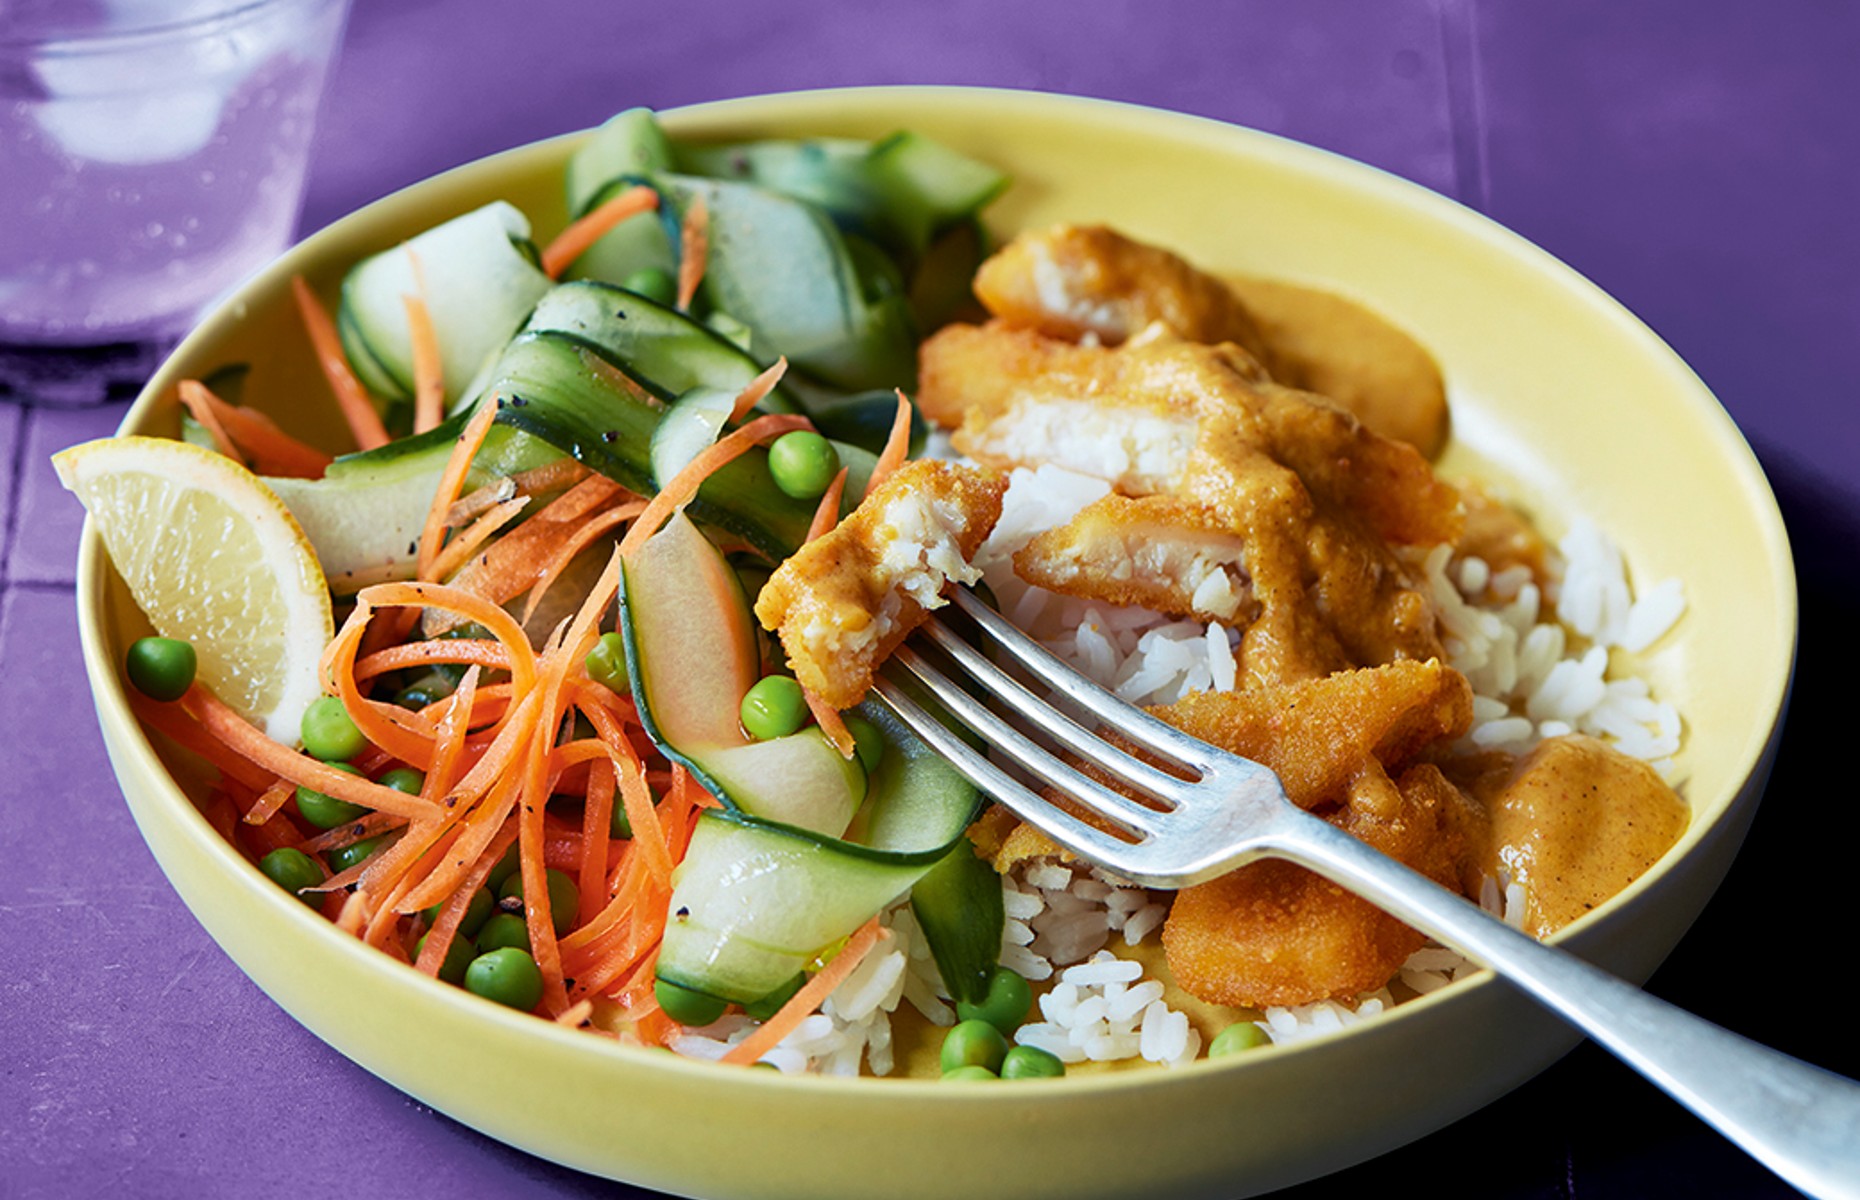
365, 516
562, 391
778, 265
949, 185
958, 906
691, 652
766, 883
688, 428
754, 902
834, 174
629, 143
478, 285
660, 348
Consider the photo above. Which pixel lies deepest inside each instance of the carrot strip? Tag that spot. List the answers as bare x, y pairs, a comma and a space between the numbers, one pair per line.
476, 652
439, 938
429, 369
711, 459
897, 446
553, 476
351, 832
828, 514
357, 409
576, 1014
450, 482
198, 402
270, 450
460, 549
812, 994
578, 541
244, 739
693, 250
450, 737
580, 236
831, 724
270, 802
758, 388
501, 624
596, 831
382, 724
513, 565
480, 828
174, 723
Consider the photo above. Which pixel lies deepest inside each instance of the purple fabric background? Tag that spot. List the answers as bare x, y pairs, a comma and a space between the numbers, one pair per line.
1697, 158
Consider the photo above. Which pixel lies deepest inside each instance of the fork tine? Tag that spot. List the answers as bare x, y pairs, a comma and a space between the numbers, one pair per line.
1027, 804
1123, 716
1055, 724
1036, 759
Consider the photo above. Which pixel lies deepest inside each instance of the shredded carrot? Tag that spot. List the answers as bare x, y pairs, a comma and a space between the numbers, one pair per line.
462, 603
270, 802
828, 514
576, 542
693, 250
581, 235
552, 476
450, 483
576, 1014
351, 831
198, 401
897, 446
173, 722
357, 409
477, 652
758, 388
516, 561
244, 739
384, 725
268, 449
812, 994
709, 461
439, 938
831, 724
460, 549
596, 830
429, 369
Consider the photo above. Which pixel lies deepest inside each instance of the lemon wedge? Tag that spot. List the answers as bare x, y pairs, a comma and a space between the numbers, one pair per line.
212, 556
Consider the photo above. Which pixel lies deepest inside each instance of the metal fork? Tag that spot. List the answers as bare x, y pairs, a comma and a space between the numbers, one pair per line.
1799, 1120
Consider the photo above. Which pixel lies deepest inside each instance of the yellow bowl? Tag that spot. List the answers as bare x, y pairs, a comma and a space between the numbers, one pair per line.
1557, 391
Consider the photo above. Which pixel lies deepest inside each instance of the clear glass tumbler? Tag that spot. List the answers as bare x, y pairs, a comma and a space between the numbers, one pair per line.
152, 154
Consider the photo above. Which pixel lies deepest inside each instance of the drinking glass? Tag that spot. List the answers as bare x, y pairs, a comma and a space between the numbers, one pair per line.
152, 154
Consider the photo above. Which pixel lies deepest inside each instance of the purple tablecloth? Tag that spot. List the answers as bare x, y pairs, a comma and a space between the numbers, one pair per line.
1700, 159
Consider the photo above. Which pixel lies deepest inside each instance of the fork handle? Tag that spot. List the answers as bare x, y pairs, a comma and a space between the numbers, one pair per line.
1799, 1120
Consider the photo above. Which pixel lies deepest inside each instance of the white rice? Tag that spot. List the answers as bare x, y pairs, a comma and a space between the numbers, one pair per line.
1532, 677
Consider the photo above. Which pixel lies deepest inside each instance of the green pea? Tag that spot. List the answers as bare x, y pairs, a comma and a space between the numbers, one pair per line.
803, 464
1241, 1035
775, 707
606, 664
685, 1006
429, 688
328, 732
868, 742
293, 870
354, 854
404, 779
324, 811
769, 1005
1031, 1062
564, 897
504, 931
502, 870
507, 976
973, 1044
971, 1071
459, 956
161, 668
654, 283
478, 910
1006, 1004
